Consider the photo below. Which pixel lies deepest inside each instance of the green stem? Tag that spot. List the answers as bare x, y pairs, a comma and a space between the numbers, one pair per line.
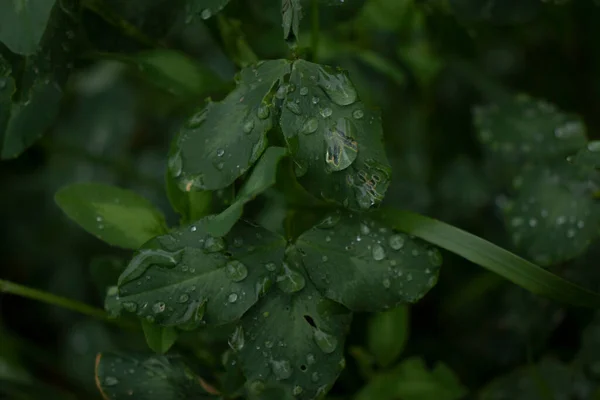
49, 298
315, 29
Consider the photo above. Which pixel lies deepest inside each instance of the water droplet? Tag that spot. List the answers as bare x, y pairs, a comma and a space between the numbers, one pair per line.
315, 100
158, 307
310, 359
326, 112
378, 252
282, 369
220, 152
297, 390
193, 228
263, 285
263, 111
326, 342
324, 258
236, 271
111, 381
396, 242
206, 13
249, 126
533, 222
337, 87
197, 119
315, 377
290, 280
232, 298
183, 298
214, 244
341, 148
130, 306
358, 114
236, 340
329, 221
146, 258
435, 257
364, 229
293, 107
257, 387
594, 146
386, 283
271, 266
310, 126
303, 91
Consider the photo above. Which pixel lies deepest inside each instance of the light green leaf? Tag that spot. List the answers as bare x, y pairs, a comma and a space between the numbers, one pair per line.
23, 23
387, 333
411, 380
159, 339
263, 176
479, 251
188, 277
497, 11
147, 378
292, 343
117, 216
365, 265
553, 216
291, 13
528, 129
223, 140
203, 8
334, 140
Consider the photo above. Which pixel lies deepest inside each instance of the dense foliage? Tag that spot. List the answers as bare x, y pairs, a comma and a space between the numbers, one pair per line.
265, 182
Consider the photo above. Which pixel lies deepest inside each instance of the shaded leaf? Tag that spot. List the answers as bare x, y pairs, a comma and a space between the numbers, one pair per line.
223, 140
412, 380
159, 339
497, 11
334, 140
117, 216
23, 23
387, 333
147, 378
188, 277
291, 343
365, 265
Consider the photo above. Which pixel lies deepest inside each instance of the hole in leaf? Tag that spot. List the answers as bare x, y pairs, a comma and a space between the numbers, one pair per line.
303, 368
309, 319
228, 254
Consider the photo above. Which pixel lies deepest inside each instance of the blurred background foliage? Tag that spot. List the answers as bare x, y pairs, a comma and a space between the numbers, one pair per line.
132, 70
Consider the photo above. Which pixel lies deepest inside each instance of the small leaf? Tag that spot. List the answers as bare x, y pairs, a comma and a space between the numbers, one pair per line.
117, 216
387, 334
554, 216
190, 205
159, 339
147, 378
365, 265
292, 343
23, 23
203, 8
188, 277
263, 176
528, 129
223, 140
334, 140
411, 380
291, 13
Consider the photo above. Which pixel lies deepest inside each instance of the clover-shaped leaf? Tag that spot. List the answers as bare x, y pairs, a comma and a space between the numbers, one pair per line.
335, 141
148, 377
525, 128
554, 216
366, 266
222, 141
292, 342
189, 277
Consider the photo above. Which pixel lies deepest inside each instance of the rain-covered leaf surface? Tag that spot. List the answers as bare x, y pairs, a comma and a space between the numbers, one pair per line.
203, 8
143, 377
262, 177
23, 23
365, 265
119, 217
497, 11
158, 338
222, 141
526, 128
387, 334
188, 277
335, 141
412, 380
554, 216
589, 156
292, 342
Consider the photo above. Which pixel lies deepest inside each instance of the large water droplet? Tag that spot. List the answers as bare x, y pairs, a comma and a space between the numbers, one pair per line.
293, 107
236, 271
326, 112
378, 252
145, 259
282, 369
396, 242
341, 148
111, 381
263, 285
326, 342
158, 307
290, 280
232, 298
263, 111
236, 340
303, 91
297, 390
206, 13
310, 126
337, 87
214, 244
249, 126
329, 221
358, 114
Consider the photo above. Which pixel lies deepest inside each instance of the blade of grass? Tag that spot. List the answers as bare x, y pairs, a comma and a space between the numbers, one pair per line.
487, 255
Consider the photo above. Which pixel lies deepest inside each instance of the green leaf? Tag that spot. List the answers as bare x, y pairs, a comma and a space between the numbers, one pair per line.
291, 13
589, 156
365, 265
188, 277
497, 11
528, 129
481, 252
190, 205
117, 216
203, 8
23, 23
292, 343
147, 378
159, 339
334, 140
223, 140
411, 380
387, 333
263, 176
553, 216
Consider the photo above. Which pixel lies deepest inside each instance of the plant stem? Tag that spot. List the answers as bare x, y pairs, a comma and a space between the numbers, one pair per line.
315, 29
50, 298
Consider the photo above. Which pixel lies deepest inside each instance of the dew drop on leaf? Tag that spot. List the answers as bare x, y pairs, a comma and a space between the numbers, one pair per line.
326, 112
297, 390
435, 257
130, 306
315, 100
396, 242
214, 244
290, 281
263, 111
176, 164
236, 340
337, 87
282, 369
310, 126
378, 252
326, 342
197, 119
206, 13
271, 266
293, 107
341, 148
236, 271
249, 126
183, 298
358, 114
232, 298
111, 381
158, 307
329, 221
303, 91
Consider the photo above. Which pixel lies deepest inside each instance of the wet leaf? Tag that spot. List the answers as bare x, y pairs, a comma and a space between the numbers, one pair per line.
292, 343
158, 338
188, 277
291, 13
365, 265
143, 377
23, 23
223, 140
334, 140
387, 334
117, 216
